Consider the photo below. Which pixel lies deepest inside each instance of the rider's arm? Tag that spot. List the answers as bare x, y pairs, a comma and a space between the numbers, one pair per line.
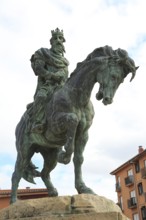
39, 68
60, 75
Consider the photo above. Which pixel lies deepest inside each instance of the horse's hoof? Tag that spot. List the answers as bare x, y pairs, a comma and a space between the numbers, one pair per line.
66, 160
62, 158
86, 190
52, 192
13, 200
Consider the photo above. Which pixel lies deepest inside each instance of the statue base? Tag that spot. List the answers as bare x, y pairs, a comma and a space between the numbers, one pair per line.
76, 207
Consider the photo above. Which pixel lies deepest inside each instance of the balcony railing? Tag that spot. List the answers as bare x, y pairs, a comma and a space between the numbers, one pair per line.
129, 180
118, 187
143, 212
143, 173
132, 203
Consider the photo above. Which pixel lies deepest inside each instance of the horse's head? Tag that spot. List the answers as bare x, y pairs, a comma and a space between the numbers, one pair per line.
113, 72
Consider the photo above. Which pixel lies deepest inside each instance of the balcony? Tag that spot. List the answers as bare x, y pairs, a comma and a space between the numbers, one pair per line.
143, 173
143, 212
129, 180
132, 203
118, 187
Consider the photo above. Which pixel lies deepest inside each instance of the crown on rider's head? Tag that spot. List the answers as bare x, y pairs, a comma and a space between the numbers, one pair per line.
57, 32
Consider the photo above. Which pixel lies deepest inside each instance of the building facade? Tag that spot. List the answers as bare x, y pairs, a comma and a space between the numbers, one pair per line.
21, 194
131, 186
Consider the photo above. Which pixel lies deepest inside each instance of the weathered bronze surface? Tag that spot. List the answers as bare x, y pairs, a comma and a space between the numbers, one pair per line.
68, 116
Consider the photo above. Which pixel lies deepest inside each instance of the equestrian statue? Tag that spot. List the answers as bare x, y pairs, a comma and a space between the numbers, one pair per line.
56, 123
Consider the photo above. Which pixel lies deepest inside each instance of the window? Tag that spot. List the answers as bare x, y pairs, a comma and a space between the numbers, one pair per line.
132, 194
143, 213
129, 180
136, 216
137, 167
143, 170
140, 189
118, 185
130, 172
118, 179
121, 202
132, 201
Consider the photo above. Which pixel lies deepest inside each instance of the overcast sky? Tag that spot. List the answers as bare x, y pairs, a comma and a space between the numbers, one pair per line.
118, 129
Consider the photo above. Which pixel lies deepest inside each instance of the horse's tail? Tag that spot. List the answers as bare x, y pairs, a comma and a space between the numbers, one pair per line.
30, 173
22, 128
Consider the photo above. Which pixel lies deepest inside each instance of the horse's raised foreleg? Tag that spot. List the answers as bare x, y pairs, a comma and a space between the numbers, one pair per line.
50, 162
67, 122
78, 159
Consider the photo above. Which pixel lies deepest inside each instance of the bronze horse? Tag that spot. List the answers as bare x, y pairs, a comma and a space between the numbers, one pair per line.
69, 116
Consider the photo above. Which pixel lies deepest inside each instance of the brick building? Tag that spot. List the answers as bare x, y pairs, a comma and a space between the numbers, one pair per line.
22, 194
131, 186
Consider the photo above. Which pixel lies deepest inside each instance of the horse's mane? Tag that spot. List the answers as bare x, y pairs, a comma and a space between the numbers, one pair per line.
101, 51
119, 54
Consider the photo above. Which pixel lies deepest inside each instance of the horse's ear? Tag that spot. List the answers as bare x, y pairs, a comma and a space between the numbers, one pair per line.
134, 73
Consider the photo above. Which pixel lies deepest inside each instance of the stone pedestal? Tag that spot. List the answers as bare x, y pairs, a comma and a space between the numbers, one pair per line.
77, 207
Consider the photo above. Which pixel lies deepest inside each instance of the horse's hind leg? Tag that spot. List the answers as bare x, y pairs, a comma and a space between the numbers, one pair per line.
22, 161
50, 162
16, 178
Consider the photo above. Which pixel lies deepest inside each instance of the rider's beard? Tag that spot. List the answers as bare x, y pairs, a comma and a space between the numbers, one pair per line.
58, 48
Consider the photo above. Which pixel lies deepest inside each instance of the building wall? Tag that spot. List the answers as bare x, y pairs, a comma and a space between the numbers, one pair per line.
125, 190
22, 194
4, 202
